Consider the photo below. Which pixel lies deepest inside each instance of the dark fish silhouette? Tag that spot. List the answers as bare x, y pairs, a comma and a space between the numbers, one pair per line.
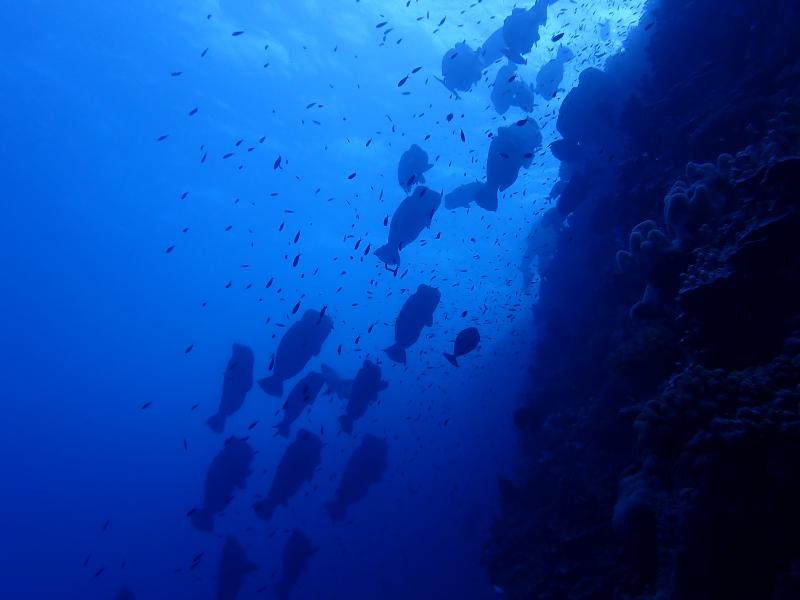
234, 567
511, 149
417, 312
125, 594
299, 344
364, 468
509, 90
229, 470
461, 68
550, 75
302, 396
521, 30
297, 554
414, 214
335, 384
463, 195
466, 341
365, 390
412, 166
237, 382
296, 467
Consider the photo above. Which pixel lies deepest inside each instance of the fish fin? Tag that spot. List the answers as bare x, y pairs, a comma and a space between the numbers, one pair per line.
387, 255
203, 520
486, 198
272, 385
397, 353
346, 423
216, 423
452, 91
451, 359
515, 57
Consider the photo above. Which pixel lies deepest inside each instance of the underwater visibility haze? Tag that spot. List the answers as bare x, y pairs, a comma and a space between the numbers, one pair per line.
400, 299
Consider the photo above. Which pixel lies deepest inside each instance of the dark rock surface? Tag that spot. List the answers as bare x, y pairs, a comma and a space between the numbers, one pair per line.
661, 435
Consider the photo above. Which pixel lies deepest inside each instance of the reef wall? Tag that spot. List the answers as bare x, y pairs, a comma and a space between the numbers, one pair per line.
661, 435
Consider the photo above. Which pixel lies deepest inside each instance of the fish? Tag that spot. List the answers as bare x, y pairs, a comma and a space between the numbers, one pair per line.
228, 471
549, 77
509, 151
302, 396
234, 568
466, 341
412, 166
463, 195
461, 68
363, 392
364, 468
296, 467
414, 214
302, 341
236, 383
509, 90
416, 313
297, 554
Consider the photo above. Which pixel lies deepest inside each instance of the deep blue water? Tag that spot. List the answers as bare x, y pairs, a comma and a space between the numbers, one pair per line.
131, 265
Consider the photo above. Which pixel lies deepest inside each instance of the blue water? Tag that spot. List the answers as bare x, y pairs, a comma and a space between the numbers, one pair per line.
97, 315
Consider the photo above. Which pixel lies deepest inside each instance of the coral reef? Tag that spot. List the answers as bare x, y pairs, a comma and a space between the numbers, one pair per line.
661, 434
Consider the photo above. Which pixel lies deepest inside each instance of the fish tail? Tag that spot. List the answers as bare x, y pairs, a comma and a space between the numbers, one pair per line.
347, 424
451, 359
203, 520
282, 429
388, 255
397, 353
272, 385
216, 423
486, 198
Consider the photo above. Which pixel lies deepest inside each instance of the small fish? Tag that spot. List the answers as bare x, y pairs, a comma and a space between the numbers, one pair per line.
557, 37
145, 405
402, 81
237, 33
